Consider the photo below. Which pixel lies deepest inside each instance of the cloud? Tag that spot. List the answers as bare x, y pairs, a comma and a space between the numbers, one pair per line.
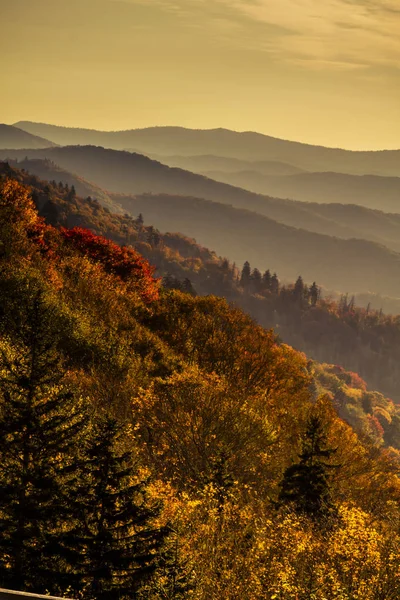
358, 33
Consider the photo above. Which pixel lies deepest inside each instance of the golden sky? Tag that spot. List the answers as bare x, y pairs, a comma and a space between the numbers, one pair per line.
319, 71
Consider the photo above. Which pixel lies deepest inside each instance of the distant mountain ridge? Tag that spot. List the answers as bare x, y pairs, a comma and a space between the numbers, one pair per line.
223, 142
14, 137
372, 191
352, 264
126, 173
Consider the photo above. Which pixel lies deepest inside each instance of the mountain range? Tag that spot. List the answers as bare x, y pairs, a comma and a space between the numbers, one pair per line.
249, 146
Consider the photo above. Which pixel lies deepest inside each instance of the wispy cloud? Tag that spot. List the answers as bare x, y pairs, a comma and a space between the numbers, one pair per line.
336, 33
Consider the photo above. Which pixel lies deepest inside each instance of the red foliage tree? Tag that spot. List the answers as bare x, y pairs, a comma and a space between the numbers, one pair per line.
124, 262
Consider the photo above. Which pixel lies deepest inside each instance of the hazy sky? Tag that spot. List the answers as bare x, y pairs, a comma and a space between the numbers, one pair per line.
320, 71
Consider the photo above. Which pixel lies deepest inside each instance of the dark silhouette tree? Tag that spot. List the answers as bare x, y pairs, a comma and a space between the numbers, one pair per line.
305, 485
40, 425
245, 276
120, 548
275, 284
256, 280
314, 294
298, 290
266, 279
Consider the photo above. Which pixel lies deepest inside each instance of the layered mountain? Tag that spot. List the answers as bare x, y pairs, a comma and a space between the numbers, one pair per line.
346, 265
205, 163
249, 146
134, 174
372, 191
14, 137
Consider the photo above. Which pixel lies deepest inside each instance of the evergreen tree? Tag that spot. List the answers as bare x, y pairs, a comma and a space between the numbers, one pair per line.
245, 276
256, 280
298, 290
119, 547
39, 428
266, 279
305, 485
314, 294
72, 193
274, 284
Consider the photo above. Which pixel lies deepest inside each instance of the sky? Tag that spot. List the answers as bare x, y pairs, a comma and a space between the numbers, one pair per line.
319, 71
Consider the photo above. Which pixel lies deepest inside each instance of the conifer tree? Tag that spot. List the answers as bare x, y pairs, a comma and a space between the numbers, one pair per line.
275, 284
39, 430
245, 276
305, 485
119, 546
314, 294
298, 290
266, 279
256, 280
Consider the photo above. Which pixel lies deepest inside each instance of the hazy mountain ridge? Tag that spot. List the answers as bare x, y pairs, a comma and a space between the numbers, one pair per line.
14, 137
133, 173
371, 191
201, 164
241, 235
223, 142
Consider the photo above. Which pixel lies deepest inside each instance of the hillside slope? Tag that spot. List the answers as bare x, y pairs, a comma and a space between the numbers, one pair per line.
360, 339
213, 416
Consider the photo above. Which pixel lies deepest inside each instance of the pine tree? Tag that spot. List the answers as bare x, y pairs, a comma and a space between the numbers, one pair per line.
314, 294
298, 290
39, 428
266, 279
256, 280
305, 485
119, 547
245, 276
274, 284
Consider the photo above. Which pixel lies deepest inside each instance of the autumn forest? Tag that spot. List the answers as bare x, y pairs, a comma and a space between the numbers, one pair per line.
200, 300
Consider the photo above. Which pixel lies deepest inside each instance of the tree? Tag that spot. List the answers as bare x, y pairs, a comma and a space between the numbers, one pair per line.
266, 279
245, 276
256, 280
119, 546
298, 290
187, 287
305, 485
72, 193
274, 284
40, 424
314, 294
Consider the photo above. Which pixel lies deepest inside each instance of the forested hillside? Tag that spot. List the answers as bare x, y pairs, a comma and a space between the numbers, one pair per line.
358, 338
176, 421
